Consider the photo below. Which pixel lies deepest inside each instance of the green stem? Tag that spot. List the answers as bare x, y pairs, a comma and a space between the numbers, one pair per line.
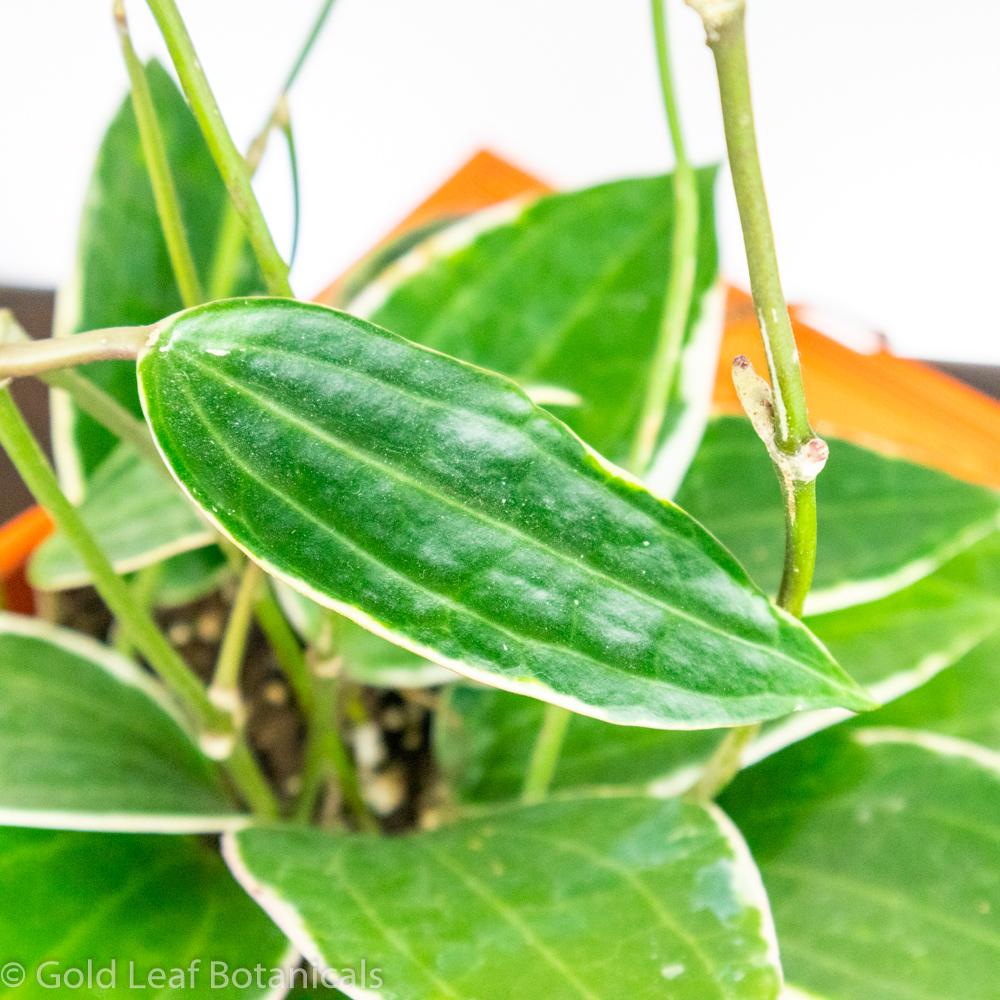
95, 402
800, 548
282, 640
34, 469
225, 689
227, 157
307, 46
726, 33
226, 260
107, 411
215, 727
683, 266
38, 357
250, 782
545, 755
325, 755
728, 45
792, 433
287, 651
168, 206
724, 764
143, 590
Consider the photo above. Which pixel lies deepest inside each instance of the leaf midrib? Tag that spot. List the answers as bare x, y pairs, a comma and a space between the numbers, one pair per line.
444, 598
338, 444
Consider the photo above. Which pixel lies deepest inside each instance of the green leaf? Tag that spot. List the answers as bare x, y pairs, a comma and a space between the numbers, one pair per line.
190, 576
138, 517
381, 258
366, 658
960, 702
89, 742
432, 503
892, 646
879, 853
123, 275
593, 899
565, 296
128, 905
865, 499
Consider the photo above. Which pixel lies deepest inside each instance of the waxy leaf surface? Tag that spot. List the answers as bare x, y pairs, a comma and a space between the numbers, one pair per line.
565, 296
883, 522
87, 741
137, 515
960, 702
119, 907
879, 853
892, 646
590, 899
434, 504
123, 275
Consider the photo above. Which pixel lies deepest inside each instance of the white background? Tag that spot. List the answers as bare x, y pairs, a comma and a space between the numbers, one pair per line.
878, 125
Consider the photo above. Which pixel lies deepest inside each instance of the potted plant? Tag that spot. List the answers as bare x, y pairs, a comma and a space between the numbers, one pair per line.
438, 658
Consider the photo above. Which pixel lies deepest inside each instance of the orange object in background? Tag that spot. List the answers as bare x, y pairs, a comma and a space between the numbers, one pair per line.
897, 406
18, 539
883, 402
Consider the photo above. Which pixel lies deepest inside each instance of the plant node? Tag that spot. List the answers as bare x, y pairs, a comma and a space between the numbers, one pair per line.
800, 466
715, 14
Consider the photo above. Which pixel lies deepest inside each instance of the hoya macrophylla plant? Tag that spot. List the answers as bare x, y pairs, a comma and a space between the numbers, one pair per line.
99, 708
673, 878
433, 503
447, 494
582, 341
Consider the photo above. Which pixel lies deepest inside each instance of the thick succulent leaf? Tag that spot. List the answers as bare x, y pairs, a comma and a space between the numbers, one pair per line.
365, 657
599, 898
123, 906
434, 504
135, 512
892, 646
88, 741
123, 275
960, 702
883, 522
879, 853
587, 271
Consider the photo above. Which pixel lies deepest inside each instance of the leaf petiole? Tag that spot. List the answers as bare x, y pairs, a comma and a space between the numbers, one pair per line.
683, 264
545, 755
94, 401
230, 163
224, 691
37, 357
227, 251
168, 206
